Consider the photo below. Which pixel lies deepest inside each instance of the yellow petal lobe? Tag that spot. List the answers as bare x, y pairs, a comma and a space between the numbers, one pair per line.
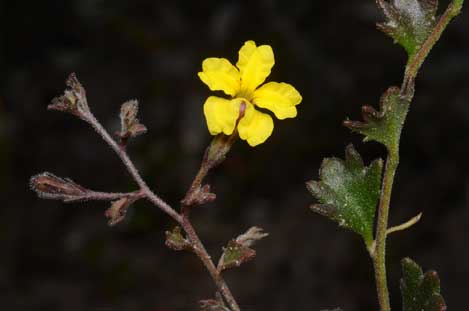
255, 64
221, 114
280, 98
255, 127
220, 75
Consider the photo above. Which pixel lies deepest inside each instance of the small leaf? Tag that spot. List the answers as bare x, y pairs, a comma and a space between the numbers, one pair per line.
348, 192
235, 254
385, 125
239, 251
118, 210
130, 125
409, 22
176, 241
420, 292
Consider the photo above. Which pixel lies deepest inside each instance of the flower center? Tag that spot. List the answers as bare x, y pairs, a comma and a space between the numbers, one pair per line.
244, 93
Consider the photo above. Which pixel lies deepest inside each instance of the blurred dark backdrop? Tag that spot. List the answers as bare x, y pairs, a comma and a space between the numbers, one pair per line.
65, 257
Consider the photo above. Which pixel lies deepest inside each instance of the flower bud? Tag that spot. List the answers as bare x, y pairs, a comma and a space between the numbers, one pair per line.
74, 99
49, 186
118, 210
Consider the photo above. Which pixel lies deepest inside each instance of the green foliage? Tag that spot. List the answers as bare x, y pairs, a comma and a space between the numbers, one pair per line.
348, 192
235, 254
176, 241
239, 250
385, 125
420, 292
409, 22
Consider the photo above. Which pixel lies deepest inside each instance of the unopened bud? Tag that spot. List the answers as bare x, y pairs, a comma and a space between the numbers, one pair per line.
118, 210
74, 99
218, 149
130, 125
49, 186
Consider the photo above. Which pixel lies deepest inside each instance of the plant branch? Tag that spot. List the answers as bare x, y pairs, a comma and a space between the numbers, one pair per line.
202, 253
414, 64
182, 219
405, 225
122, 154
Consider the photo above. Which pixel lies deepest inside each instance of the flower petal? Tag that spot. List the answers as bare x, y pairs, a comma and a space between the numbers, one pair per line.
255, 126
280, 98
255, 64
221, 114
220, 75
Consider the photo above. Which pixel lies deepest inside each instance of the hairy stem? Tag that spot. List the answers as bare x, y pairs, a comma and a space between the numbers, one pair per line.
379, 254
122, 154
417, 60
110, 196
201, 252
182, 219
407, 92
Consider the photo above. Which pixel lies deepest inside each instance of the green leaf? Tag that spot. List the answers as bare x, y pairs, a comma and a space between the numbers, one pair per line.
176, 241
420, 292
348, 192
239, 250
409, 22
385, 125
235, 254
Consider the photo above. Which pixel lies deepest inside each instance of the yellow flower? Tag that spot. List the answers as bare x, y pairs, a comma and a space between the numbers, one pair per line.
243, 84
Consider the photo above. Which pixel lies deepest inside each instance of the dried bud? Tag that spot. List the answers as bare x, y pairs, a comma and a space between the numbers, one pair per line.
218, 149
118, 210
251, 236
213, 305
74, 99
176, 241
130, 125
49, 186
199, 196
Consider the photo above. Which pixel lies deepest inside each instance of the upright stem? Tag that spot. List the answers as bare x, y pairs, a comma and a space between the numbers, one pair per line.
379, 254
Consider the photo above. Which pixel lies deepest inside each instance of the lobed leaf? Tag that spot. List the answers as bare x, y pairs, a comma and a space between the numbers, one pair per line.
420, 292
409, 22
348, 192
385, 125
176, 241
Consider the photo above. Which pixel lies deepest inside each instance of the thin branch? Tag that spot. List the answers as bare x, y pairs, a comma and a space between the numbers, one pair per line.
183, 219
47, 185
202, 253
405, 225
122, 154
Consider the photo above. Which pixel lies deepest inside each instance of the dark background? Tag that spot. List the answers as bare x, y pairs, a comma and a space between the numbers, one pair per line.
65, 257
